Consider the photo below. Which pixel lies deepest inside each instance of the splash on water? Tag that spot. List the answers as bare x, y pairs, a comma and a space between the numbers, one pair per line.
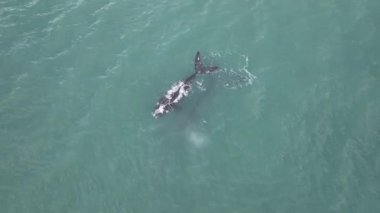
200, 85
234, 73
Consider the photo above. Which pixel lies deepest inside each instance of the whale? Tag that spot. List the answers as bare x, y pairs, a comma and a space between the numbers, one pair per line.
181, 89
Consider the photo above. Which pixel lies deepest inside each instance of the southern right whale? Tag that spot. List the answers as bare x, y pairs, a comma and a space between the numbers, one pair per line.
181, 88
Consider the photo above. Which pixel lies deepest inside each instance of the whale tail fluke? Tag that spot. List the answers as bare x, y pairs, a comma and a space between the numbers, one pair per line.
200, 68
211, 69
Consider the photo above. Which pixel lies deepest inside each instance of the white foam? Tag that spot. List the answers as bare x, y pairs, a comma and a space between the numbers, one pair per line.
104, 8
239, 77
200, 85
235, 73
32, 3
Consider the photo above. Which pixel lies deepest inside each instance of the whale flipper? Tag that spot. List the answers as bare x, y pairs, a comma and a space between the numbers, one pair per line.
198, 65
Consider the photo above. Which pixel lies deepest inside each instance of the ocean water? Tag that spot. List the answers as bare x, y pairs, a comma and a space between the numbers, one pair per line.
290, 122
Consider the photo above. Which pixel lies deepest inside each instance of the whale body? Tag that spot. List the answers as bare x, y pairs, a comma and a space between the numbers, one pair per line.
180, 89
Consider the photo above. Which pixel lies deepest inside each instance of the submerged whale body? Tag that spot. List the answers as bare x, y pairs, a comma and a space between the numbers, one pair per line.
180, 89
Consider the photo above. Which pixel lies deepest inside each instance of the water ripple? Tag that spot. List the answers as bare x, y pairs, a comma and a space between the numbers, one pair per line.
104, 8
234, 76
32, 3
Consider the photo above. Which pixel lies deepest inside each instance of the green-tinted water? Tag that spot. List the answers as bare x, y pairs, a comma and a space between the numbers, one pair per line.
291, 122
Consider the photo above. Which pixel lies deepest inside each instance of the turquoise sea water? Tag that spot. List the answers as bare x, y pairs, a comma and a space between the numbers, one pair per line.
290, 123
